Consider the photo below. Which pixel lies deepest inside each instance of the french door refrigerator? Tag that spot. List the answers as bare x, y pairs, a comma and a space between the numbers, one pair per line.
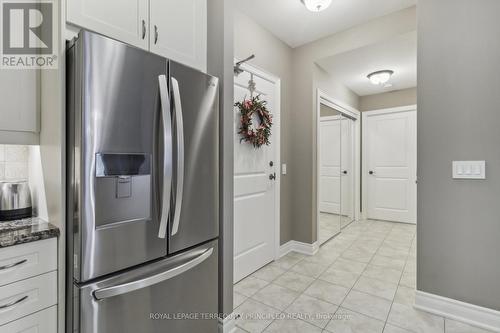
142, 191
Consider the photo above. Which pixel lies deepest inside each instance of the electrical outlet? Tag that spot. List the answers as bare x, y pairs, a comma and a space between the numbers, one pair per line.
469, 169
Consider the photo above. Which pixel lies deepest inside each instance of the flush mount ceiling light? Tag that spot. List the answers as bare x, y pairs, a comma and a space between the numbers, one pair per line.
316, 5
380, 77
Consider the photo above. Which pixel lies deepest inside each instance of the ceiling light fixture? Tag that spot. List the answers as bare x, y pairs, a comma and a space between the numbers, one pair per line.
380, 77
316, 5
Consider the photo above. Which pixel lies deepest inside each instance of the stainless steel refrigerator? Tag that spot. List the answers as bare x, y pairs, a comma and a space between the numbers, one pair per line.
142, 191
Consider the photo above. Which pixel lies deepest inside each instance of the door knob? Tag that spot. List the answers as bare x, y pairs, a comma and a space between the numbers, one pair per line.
344, 172
371, 172
272, 176
271, 163
156, 34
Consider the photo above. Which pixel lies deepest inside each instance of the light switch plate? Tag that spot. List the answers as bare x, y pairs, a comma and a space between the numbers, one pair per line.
283, 169
469, 169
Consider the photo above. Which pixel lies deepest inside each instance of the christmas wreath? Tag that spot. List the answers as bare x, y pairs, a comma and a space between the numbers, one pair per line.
250, 110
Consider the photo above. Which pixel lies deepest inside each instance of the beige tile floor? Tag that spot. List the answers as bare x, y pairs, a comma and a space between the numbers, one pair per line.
361, 281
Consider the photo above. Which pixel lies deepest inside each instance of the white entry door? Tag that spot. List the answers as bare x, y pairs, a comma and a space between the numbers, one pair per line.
330, 165
390, 150
254, 191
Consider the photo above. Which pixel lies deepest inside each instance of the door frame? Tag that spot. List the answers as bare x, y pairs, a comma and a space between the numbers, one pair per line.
277, 152
364, 167
323, 98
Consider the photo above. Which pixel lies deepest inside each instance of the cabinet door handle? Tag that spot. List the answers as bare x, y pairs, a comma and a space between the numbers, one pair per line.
13, 303
156, 33
13, 265
143, 29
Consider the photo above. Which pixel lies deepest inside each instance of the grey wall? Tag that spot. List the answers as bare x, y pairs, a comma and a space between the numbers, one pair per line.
275, 57
388, 100
220, 63
458, 225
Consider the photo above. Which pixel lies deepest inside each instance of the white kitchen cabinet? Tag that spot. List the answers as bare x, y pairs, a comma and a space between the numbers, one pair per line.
27, 260
20, 97
28, 296
125, 20
44, 321
175, 29
28, 287
179, 31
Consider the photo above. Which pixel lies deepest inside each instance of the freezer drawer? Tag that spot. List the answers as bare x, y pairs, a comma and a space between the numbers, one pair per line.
158, 297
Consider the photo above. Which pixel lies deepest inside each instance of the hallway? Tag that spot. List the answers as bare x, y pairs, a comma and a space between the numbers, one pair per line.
363, 280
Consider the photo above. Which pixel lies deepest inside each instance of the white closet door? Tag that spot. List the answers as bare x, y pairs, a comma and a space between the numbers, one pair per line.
347, 175
390, 144
330, 165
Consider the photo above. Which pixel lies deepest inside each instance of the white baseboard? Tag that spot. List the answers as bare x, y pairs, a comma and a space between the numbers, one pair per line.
449, 308
228, 324
295, 246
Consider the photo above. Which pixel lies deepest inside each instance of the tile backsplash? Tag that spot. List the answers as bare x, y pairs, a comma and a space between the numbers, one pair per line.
14, 160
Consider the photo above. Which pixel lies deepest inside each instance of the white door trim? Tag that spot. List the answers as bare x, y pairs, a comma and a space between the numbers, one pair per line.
323, 98
277, 137
364, 167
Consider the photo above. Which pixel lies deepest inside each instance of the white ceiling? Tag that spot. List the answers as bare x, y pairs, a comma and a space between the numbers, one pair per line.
398, 54
291, 22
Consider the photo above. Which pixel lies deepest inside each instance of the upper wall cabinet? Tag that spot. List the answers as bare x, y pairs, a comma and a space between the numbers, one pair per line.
19, 107
179, 31
175, 29
125, 20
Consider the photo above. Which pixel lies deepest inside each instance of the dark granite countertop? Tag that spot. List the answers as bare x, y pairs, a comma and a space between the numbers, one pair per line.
25, 231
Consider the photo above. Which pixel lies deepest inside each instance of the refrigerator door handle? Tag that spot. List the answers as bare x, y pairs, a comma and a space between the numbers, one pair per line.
167, 157
104, 293
180, 155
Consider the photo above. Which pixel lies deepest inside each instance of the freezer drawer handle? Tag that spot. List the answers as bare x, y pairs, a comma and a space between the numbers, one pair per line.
2, 268
104, 293
180, 155
13, 303
167, 156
